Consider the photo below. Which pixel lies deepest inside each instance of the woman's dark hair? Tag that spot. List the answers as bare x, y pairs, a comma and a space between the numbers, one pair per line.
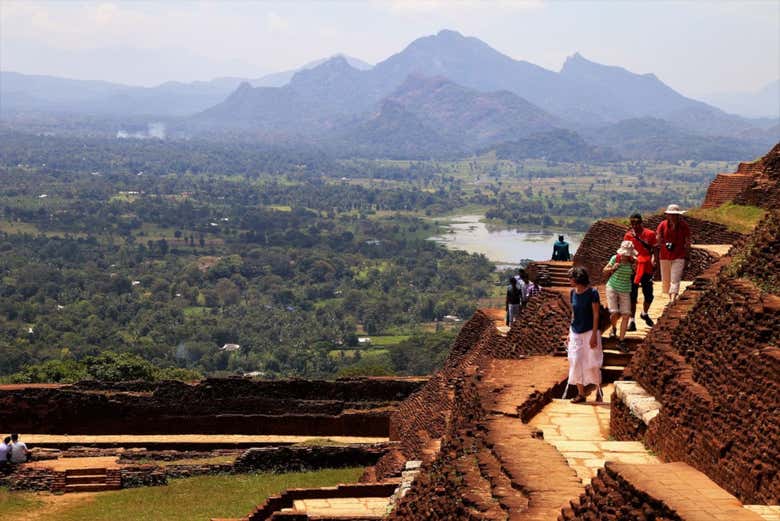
579, 275
636, 217
512, 281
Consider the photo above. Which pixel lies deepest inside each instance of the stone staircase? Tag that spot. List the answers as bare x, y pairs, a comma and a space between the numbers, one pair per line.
551, 273
91, 480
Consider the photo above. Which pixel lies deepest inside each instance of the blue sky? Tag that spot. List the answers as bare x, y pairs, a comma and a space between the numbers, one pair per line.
696, 47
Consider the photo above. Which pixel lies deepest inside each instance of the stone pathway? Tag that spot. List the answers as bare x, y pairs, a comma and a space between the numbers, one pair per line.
63, 464
580, 432
353, 507
768, 512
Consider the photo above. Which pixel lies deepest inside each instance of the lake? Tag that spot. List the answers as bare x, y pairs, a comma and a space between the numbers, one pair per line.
501, 245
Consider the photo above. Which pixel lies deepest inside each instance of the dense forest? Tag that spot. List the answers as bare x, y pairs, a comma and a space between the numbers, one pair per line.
147, 257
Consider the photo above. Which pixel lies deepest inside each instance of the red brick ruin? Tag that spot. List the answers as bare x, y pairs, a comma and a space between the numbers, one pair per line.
712, 361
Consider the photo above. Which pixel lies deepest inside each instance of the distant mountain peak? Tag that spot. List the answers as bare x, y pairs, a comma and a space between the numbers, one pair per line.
449, 33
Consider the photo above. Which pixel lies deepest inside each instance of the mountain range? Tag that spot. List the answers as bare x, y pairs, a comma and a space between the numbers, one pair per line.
443, 94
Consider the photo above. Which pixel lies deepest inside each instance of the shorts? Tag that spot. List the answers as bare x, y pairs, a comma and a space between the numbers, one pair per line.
618, 302
647, 288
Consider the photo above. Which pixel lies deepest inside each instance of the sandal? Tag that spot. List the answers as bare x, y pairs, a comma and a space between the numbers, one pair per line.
578, 399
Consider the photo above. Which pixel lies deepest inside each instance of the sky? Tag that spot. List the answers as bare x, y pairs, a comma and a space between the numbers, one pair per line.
696, 47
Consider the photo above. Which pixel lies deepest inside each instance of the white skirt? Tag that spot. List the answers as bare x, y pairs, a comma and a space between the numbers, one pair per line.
584, 362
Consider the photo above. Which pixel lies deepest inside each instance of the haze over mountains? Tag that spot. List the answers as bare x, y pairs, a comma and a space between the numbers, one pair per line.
442, 94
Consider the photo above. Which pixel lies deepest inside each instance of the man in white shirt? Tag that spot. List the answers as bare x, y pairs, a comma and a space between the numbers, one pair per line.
5, 451
19, 450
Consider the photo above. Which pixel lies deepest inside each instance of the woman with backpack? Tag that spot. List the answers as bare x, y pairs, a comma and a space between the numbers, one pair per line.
584, 349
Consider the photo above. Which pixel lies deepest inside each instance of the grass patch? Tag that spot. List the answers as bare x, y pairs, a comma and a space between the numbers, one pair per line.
13, 503
201, 497
737, 218
367, 355
388, 340
196, 311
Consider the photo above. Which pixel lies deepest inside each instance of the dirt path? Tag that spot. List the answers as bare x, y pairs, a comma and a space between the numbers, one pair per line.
55, 504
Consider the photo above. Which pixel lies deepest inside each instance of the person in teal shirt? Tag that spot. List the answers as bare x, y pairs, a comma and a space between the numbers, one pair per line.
620, 269
561, 250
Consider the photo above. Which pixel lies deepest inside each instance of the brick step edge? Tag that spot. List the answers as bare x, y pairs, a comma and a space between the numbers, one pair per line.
91, 487
87, 472
81, 480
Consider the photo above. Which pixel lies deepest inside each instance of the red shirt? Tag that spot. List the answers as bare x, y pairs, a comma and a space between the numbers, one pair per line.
679, 237
644, 260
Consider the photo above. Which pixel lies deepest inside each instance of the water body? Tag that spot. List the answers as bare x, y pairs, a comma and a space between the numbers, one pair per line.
503, 246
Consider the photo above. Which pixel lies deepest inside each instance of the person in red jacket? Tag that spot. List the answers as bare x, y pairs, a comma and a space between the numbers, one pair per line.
674, 241
645, 244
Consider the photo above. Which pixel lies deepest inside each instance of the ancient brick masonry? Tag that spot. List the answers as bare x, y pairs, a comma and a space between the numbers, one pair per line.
759, 259
623, 425
465, 479
299, 459
611, 497
714, 364
345, 407
726, 187
765, 189
424, 416
542, 328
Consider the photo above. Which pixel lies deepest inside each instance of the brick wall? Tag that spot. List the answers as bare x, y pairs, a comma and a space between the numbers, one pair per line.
624, 426
713, 362
765, 190
356, 407
611, 497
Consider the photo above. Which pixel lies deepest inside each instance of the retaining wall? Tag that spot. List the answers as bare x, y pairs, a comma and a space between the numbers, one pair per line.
353, 407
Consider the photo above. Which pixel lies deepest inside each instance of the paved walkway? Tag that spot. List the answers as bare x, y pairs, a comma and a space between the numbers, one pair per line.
62, 464
352, 507
580, 432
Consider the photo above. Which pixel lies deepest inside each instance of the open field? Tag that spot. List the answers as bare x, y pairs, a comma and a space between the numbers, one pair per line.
196, 498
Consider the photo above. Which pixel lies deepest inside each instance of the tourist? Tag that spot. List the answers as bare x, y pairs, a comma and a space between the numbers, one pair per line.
531, 288
5, 451
674, 240
645, 244
561, 250
620, 269
514, 298
584, 349
19, 451
522, 284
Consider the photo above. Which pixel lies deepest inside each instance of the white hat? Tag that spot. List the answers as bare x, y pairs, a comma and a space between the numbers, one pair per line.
627, 248
674, 210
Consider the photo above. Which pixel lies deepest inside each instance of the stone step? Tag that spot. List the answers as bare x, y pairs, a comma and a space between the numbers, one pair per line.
614, 357
80, 480
610, 373
90, 487
86, 472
